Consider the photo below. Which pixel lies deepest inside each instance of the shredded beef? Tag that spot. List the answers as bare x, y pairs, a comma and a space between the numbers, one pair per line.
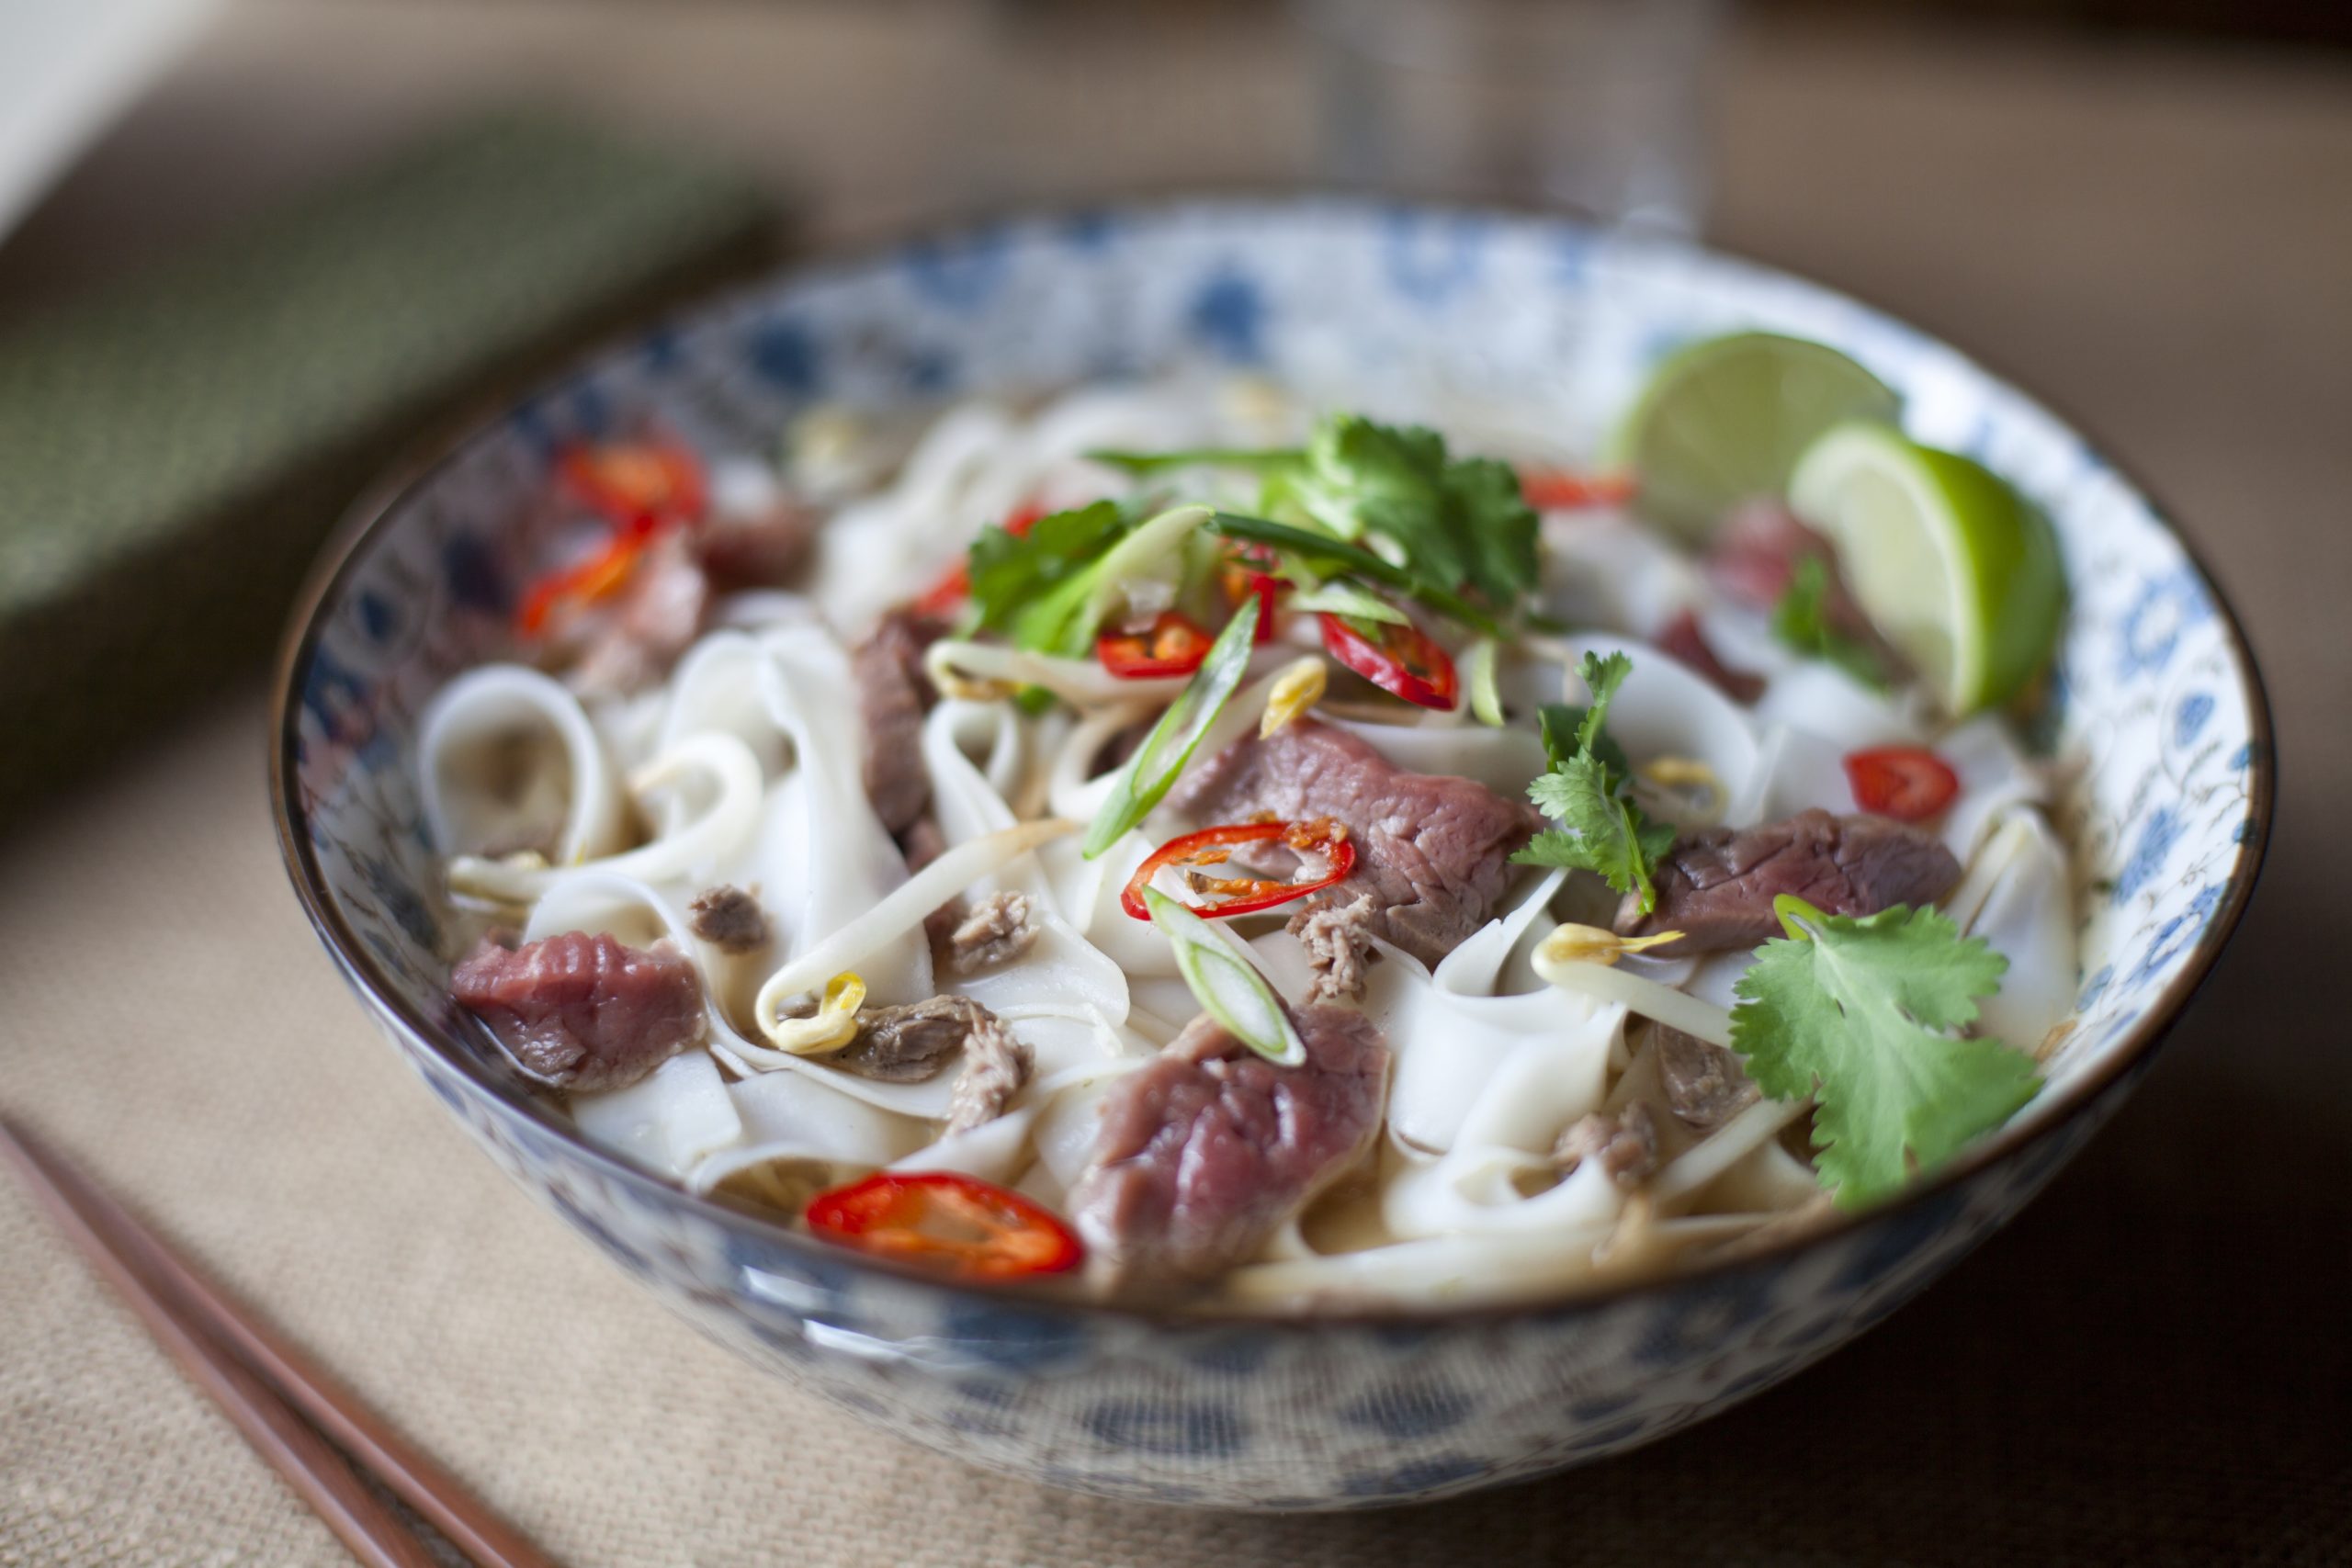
1705, 1085
907, 1044
1338, 944
1432, 851
729, 919
1207, 1149
1625, 1144
581, 1011
1000, 927
1717, 886
995, 1066
893, 693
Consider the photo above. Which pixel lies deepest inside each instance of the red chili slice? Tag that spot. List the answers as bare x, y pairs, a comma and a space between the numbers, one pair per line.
963, 1226
1243, 895
1244, 574
1910, 783
601, 575
1551, 489
638, 486
1174, 646
955, 584
1404, 662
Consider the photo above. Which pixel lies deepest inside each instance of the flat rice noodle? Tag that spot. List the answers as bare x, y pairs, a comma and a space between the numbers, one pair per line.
667, 1122
1818, 698
1462, 1059
1995, 778
476, 712
2017, 895
1472, 1191
824, 858
791, 1115
1602, 570
865, 559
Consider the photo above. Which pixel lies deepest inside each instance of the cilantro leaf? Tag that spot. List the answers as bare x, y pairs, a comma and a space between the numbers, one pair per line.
1801, 622
1031, 586
1456, 522
1852, 1012
1606, 833
1585, 792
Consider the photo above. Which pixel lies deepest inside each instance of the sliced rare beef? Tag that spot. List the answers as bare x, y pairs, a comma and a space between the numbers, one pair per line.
757, 549
584, 1012
1754, 558
1705, 1085
1432, 851
893, 693
729, 919
1682, 638
1207, 1149
1716, 887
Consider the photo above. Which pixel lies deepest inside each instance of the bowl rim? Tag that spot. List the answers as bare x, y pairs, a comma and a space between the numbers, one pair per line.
475, 422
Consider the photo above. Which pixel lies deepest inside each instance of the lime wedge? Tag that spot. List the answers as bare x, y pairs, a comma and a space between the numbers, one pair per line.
1723, 420
1953, 567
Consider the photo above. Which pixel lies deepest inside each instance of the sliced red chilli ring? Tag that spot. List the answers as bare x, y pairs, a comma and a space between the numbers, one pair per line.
1242, 895
1406, 661
959, 1225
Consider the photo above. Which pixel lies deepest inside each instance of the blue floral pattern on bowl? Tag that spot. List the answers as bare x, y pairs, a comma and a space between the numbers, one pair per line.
2154, 706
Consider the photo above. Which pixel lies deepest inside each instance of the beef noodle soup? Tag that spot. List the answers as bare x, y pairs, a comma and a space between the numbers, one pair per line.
1170, 841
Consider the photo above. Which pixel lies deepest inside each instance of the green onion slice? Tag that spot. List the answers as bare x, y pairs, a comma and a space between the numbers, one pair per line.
1479, 680
1151, 772
1227, 987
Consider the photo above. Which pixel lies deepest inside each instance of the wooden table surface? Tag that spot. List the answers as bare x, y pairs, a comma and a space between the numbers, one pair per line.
2159, 239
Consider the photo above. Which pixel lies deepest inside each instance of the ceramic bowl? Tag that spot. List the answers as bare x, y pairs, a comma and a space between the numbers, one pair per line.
2156, 708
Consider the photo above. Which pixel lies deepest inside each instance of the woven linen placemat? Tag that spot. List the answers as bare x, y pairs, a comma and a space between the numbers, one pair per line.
2082, 1392
177, 442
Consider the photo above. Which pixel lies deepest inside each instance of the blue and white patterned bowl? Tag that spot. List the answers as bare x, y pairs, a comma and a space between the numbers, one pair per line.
2156, 701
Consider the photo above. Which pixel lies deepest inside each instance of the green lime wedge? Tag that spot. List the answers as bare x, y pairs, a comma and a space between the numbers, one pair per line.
1955, 568
1723, 420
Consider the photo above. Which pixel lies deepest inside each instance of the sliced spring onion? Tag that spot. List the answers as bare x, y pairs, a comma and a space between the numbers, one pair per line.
1676, 1009
1478, 681
1346, 599
1328, 553
1151, 771
1225, 984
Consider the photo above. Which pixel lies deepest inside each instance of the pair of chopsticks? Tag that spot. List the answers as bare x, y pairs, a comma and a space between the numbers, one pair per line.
313, 1431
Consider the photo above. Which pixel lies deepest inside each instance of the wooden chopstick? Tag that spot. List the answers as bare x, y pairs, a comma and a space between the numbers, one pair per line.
279, 1399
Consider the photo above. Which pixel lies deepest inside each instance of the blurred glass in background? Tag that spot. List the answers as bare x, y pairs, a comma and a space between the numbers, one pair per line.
1599, 105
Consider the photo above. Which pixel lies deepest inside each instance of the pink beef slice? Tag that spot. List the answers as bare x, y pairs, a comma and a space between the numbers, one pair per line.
584, 1012
1717, 886
893, 693
1433, 851
1205, 1150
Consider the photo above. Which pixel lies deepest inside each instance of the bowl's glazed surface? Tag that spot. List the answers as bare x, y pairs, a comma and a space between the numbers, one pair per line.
2155, 708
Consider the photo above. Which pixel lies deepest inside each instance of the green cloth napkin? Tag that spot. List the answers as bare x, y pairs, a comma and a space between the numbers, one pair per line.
174, 447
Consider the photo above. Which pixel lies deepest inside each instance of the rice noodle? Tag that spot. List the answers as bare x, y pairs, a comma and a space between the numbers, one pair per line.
746, 766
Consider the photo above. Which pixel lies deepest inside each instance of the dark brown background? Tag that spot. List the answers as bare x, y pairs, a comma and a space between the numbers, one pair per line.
2152, 229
